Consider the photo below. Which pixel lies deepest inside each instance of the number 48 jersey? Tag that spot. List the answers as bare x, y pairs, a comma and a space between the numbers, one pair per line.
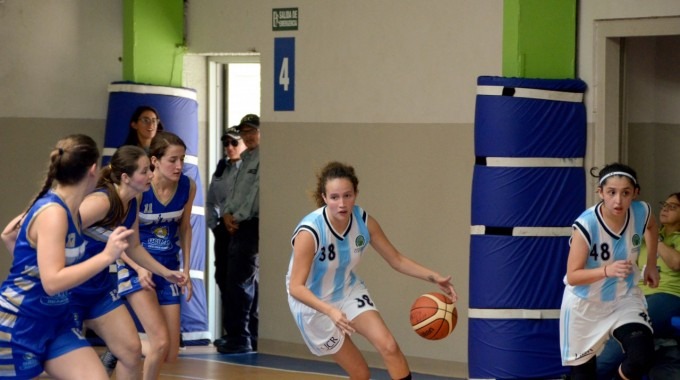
607, 246
337, 253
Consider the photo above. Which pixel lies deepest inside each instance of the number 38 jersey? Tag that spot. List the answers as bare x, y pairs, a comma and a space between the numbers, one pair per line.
607, 246
337, 253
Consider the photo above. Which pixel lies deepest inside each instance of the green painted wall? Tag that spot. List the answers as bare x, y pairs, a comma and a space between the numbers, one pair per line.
153, 41
539, 38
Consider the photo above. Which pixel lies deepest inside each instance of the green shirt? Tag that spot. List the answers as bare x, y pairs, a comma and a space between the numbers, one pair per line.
669, 280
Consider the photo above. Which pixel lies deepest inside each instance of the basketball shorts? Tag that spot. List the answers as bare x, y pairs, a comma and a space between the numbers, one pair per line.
319, 332
95, 303
167, 292
586, 325
69, 339
27, 343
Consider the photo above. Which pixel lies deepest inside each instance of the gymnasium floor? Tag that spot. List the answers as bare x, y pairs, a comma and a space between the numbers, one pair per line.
204, 363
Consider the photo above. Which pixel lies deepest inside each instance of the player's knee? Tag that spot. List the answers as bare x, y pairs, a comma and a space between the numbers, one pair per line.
160, 345
638, 343
129, 354
388, 346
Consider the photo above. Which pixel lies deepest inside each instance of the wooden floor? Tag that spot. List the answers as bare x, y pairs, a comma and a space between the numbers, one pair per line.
196, 363
203, 369
204, 363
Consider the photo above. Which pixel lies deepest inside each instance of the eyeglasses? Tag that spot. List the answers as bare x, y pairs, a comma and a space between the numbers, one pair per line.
248, 131
231, 142
148, 120
670, 206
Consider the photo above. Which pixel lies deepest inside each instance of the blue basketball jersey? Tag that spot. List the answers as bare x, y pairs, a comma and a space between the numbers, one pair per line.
96, 237
22, 293
337, 253
607, 246
159, 223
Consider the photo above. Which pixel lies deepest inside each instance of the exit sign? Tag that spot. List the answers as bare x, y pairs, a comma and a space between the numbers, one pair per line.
285, 19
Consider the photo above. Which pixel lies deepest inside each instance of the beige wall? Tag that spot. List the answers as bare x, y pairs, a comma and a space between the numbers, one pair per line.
57, 60
390, 89
414, 190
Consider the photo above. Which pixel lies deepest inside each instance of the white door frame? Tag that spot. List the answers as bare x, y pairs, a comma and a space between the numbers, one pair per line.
216, 120
604, 140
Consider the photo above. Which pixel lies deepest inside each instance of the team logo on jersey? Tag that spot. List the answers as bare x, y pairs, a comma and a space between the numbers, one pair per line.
636, 240
161, 232
360, 241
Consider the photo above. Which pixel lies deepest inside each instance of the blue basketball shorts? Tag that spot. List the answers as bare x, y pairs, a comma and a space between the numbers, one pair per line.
167, 292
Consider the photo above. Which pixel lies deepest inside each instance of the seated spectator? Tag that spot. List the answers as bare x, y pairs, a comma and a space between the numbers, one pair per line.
663, 302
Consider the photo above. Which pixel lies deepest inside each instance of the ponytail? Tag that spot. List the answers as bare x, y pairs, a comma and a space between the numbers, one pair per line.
70, 160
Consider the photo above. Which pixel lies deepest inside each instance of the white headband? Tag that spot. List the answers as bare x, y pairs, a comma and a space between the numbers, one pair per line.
618, 173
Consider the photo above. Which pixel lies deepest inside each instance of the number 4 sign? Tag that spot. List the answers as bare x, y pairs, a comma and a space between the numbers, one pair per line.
284, 74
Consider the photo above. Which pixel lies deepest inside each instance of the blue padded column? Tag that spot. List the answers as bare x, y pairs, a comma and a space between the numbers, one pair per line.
178, 109
528, 187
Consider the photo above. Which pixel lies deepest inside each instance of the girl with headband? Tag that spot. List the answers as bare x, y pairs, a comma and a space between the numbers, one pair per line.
602, 298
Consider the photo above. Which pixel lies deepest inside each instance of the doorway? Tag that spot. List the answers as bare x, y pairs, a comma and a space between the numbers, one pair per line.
651, 113
637, 101
233, 91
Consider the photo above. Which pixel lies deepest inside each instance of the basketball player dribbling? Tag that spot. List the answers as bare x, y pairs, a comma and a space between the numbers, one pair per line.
328, 300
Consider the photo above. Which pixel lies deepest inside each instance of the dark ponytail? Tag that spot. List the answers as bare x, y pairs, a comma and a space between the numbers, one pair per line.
69, 162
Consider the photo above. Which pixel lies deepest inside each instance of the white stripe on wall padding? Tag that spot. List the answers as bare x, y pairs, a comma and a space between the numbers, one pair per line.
541, 231
532, 93
157, 90
197, 210
528, 231
196, 274
108, 152
193, 160
521, 162
514, 313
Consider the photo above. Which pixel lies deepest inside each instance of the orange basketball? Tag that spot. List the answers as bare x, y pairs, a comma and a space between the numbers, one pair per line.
433, 316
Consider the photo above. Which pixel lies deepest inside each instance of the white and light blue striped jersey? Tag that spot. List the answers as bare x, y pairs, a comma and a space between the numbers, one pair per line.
23, 293
159, 222
607, 246
337, 253
97, 236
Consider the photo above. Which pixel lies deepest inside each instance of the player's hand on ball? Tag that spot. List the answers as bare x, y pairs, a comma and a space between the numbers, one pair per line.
340, 320
447, 287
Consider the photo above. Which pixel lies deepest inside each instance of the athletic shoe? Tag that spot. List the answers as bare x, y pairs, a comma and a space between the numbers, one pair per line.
109, 361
